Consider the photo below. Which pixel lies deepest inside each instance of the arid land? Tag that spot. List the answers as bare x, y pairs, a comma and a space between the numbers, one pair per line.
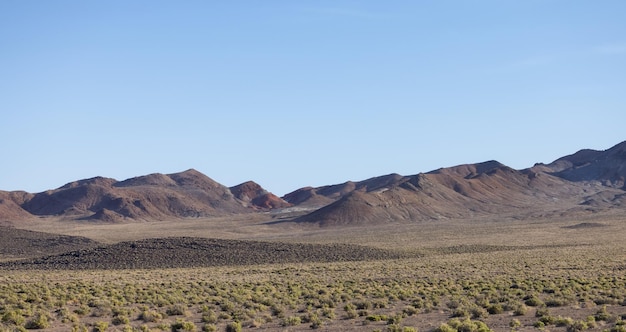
557, 274
476, 247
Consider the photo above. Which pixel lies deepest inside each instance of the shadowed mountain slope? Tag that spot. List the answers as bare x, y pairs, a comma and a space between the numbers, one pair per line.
608, 166
10, 205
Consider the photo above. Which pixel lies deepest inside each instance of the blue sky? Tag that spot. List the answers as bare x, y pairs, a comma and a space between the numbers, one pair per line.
298, 93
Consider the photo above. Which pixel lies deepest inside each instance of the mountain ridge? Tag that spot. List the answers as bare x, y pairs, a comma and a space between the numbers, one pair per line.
586, 181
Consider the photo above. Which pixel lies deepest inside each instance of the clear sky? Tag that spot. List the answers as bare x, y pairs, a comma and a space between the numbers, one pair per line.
297, 93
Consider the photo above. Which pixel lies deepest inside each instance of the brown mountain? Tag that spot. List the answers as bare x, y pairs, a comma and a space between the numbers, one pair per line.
608, 166
150, 197
10, 205
255, 196
321, 196
584, 182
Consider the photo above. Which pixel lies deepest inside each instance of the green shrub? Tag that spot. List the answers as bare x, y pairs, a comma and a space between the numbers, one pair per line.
495, 309
445, 328
150, 316
100, 326
209, 328
39, 321
182, 325
119, 320
233, 327
13, 317
177, 310
291, 321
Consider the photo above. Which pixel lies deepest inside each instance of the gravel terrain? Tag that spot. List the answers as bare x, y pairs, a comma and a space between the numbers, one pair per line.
184, 252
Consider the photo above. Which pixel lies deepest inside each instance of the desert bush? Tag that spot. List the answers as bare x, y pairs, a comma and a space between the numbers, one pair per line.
39, 321
520, 309
209, 328
602, 314
233, 327
444, 327
150, 316
577, 326
177, 310
533, 301
13, 317
291, 321
182, 325
119, 320
100, 326
209, 317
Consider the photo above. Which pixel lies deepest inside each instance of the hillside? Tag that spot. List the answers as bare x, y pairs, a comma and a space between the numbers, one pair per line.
608, 167
150, 197
586, 182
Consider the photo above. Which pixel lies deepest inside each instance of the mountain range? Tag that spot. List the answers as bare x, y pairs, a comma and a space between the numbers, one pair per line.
587, 181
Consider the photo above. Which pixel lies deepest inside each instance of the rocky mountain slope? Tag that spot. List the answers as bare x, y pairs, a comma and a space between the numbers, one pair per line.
150, 197
587, 181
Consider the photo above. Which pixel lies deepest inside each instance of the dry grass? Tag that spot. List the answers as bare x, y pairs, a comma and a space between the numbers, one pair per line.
501, 275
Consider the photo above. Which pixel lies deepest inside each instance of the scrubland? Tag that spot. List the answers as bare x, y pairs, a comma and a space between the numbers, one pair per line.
564, 275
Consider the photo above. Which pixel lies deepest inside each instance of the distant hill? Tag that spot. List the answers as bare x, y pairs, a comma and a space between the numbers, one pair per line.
587, 181
255, 196
608, 167
150, 197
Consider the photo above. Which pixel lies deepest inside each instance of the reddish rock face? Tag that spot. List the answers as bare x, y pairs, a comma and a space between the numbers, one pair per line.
257, 197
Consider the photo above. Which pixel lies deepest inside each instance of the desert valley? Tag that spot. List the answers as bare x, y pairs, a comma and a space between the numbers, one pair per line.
474, 247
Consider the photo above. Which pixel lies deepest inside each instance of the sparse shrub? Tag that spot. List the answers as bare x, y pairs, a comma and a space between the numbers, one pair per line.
495, 309
209, 328
39, 321
150, 316
563, 321
445, 328
394, 328
182, 325
618, 328
209, 317
577, 326
394, 319
533, 301
520, 309
410, 311
119, 320
233, 327
602, 314
13, 317
460, 312
291, 321
515, 323
177, 310
315, 321
100, 326
82, 310
479, 312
